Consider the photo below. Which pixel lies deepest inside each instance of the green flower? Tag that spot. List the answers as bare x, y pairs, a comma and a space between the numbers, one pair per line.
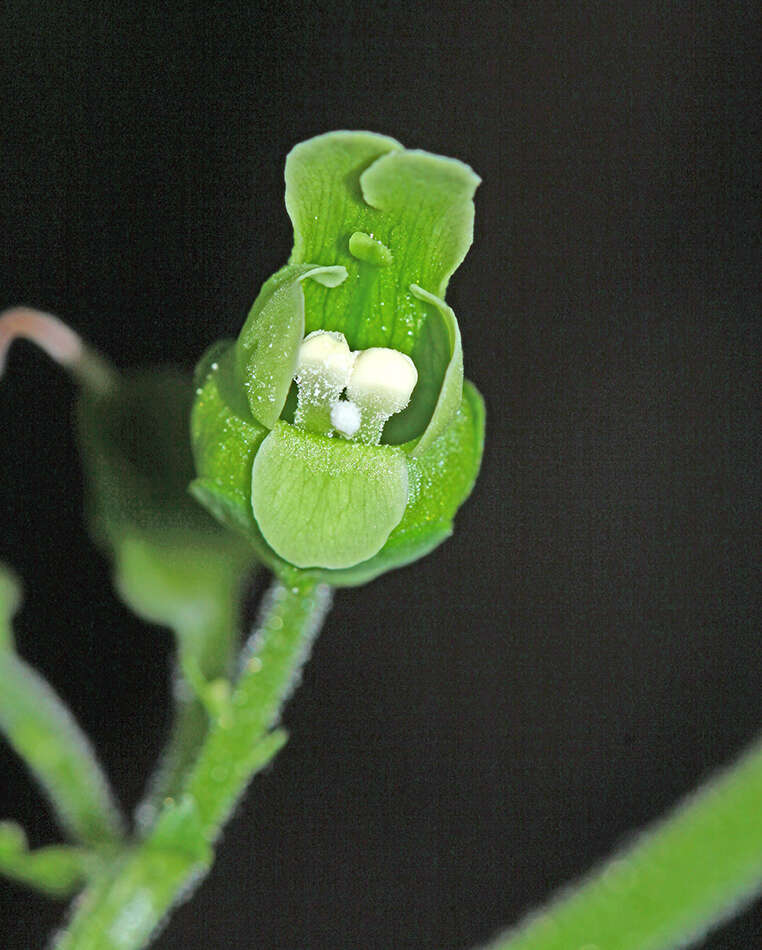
337, 432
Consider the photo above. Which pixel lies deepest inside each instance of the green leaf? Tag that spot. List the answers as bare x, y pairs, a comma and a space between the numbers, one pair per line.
57, 870
323, 502
44, 733
268, 345
419, 209
174, 564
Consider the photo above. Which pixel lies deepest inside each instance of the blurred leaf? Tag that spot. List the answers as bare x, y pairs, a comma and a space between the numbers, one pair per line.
45, 734
57, 870
174, 564
10, 601
671, 884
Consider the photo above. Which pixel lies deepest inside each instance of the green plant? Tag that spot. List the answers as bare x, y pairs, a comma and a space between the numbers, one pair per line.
333, 440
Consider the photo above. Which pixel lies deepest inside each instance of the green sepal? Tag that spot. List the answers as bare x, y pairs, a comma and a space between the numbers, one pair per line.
225, 439
324, 502
268, 345
439, 481
417, 207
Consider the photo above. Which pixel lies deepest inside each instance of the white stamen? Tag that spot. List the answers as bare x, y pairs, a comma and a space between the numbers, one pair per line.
325, 353
322, 372
345, 418
383, 379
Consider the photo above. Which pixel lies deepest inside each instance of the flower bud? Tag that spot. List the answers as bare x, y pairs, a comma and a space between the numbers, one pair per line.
358, 321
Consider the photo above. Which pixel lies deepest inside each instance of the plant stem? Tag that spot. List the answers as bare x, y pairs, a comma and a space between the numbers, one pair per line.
673, 884
122, 909
190, 723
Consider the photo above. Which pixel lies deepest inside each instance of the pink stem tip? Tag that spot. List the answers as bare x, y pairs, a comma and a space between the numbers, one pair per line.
53, 336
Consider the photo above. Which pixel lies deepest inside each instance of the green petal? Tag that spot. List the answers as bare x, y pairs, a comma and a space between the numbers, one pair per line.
429, 199
346, 189
451, 391
322, 188
326, 502
267, 347
440, 481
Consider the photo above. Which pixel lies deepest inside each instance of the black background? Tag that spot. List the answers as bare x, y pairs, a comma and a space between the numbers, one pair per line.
476, 730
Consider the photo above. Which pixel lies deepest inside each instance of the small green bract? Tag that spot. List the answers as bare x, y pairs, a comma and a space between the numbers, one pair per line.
337, 432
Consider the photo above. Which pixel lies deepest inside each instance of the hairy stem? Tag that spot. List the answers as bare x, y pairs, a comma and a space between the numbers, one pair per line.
674, 883
123, 908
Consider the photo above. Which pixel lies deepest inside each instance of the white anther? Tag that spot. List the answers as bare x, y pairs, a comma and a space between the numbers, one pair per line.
325, 354
323, 366
345, 418
382, 380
